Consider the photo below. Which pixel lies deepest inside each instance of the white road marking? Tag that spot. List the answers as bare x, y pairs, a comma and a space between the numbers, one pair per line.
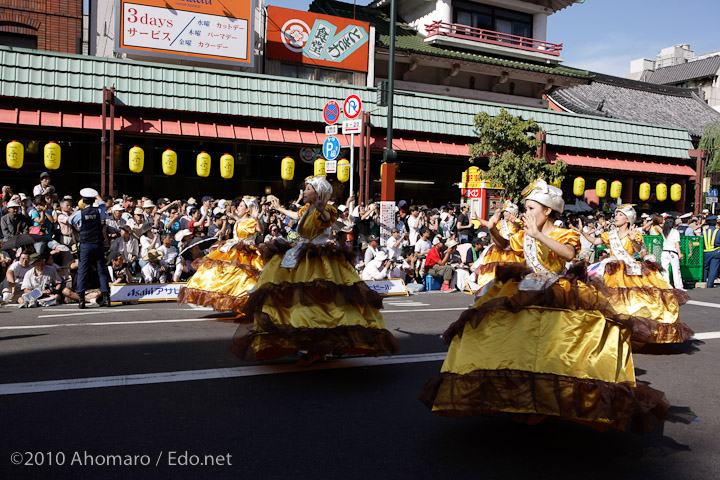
91, 312
706, 335
423, 310
102, 324
194, 375
703, 304
406, 304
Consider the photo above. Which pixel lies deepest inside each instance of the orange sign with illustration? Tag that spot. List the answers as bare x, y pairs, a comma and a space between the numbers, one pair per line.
315, 39
209, 30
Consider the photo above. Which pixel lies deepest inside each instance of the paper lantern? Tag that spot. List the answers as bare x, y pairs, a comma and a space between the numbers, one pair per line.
601, 188
169, 162
578, 186
52, 156
320, 166
287, 168
661, 192
615, 189
137, 159
203, 164
343, 170
675, 192
556, 183
14, 154
644, 191
227, 166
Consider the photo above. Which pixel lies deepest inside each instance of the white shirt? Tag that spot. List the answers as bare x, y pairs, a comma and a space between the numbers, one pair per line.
372, 271
19, 271
413, 225
46, 279
369, 254
151, 273
146, 244
399, 271
669, 242
128, 248
169, 254
423, 246
394, 247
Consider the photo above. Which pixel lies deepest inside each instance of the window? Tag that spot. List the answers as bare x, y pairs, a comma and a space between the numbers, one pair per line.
18, 40
319, 74
493, 18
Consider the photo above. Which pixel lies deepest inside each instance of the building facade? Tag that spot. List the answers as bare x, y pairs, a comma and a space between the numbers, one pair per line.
53, 26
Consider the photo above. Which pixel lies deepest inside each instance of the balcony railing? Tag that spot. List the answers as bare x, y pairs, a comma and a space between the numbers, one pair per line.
465, 32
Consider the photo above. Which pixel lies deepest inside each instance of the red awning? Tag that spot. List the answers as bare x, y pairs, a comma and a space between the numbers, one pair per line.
626, 165
161, 126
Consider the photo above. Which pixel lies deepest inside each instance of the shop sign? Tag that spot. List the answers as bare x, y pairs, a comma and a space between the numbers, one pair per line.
208, 30
316, 39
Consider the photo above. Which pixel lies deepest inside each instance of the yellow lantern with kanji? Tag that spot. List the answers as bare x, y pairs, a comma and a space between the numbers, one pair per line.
578, 186
52, 156
601, 188
320, 166
169, 162
287, 168
661, 192
615, 189
227, 166
137, 159
343, 170
15, 153
644, 191
202, 165
675, 192
556, 183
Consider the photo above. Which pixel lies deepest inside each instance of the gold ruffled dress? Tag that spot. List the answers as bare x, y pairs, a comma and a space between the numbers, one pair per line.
494, 256
310, 297
557, 350
646, 295
224, 277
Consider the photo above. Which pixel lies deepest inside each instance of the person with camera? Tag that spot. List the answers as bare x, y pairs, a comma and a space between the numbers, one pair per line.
41, 223
154, 271
437, 262
396, 242
45, 279
377, 268
117, 269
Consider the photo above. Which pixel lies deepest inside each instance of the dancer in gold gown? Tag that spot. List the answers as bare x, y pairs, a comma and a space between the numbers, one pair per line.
540, 344
506, 226
638, 287
309, 296
224, 277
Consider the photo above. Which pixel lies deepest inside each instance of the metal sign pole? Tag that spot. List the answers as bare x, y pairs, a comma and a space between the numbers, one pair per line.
352, 164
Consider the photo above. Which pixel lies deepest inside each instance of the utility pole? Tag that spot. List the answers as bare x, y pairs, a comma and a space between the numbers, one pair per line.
389, 154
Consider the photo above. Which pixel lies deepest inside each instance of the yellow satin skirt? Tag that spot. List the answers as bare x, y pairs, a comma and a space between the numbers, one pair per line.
494, 256
224, 279
543, 353
321, 306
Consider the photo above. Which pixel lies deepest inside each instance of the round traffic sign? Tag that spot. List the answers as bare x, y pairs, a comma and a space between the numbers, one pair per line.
352, 106
331, 148
331, 112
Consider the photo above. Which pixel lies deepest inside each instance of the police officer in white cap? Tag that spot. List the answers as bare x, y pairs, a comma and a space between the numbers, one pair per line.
90, 223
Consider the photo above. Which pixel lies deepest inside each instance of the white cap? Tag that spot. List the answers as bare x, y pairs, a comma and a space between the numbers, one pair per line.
24, 197
218, 211
221, 203
381, 256
148, 204
182, 234
341, 208
88, 193
558, 223
13, 203
118, 208
192, 200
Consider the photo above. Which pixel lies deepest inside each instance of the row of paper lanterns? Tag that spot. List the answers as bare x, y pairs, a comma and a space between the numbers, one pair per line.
287, 169
661, 190
15, 155
169, 163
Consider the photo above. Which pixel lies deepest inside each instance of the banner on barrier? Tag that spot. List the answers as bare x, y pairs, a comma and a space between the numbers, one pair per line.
145, 292
388, 287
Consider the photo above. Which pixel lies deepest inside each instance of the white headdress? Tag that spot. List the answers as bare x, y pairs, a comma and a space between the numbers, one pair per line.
629, 211
544, 194
321, 186
510, 207
250, 201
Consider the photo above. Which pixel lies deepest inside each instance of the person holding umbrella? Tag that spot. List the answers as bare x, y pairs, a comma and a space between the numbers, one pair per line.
90, 223
185, 266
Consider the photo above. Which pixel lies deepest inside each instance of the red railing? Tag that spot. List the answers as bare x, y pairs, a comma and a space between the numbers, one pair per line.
465, 32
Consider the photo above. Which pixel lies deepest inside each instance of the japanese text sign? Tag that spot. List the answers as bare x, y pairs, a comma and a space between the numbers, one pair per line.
322, 40
143, 292
208, 30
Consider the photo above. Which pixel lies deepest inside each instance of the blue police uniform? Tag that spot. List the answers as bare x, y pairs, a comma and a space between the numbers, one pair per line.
711, 264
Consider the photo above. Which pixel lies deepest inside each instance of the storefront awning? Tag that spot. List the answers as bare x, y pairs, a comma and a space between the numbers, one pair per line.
626, 165
220, 131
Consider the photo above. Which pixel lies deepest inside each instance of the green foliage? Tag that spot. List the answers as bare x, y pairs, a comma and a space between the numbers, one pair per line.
710, 141
511, 144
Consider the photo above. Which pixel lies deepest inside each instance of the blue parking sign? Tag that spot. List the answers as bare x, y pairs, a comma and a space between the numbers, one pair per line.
331, 148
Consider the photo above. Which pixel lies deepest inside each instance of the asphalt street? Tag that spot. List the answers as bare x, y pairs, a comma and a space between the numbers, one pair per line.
151, 391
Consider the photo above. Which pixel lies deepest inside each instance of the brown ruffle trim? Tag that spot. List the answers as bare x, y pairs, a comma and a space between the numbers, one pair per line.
214, 263
240, 247
575, 298
271, 248
317, 292
350, 339
218, 301
487, 391
667, 295
677, 332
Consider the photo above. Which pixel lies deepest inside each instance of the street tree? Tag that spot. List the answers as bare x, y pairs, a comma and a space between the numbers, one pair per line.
511, 144
710, 142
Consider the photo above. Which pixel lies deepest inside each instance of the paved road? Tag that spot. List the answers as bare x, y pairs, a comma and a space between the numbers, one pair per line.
155, 384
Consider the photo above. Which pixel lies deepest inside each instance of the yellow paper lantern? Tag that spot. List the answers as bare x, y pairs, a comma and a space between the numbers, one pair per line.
52, 156
644, 191
203, 164
601, 188
287, 168
320, 166
675, 192
169, 162
227, 166
579, 186
15, 153
137, 159
343, 170
661, 192
556, 183
615, 189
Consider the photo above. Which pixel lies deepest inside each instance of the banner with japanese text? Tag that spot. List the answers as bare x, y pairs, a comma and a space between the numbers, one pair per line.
316, 39
209, 30
143, 292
